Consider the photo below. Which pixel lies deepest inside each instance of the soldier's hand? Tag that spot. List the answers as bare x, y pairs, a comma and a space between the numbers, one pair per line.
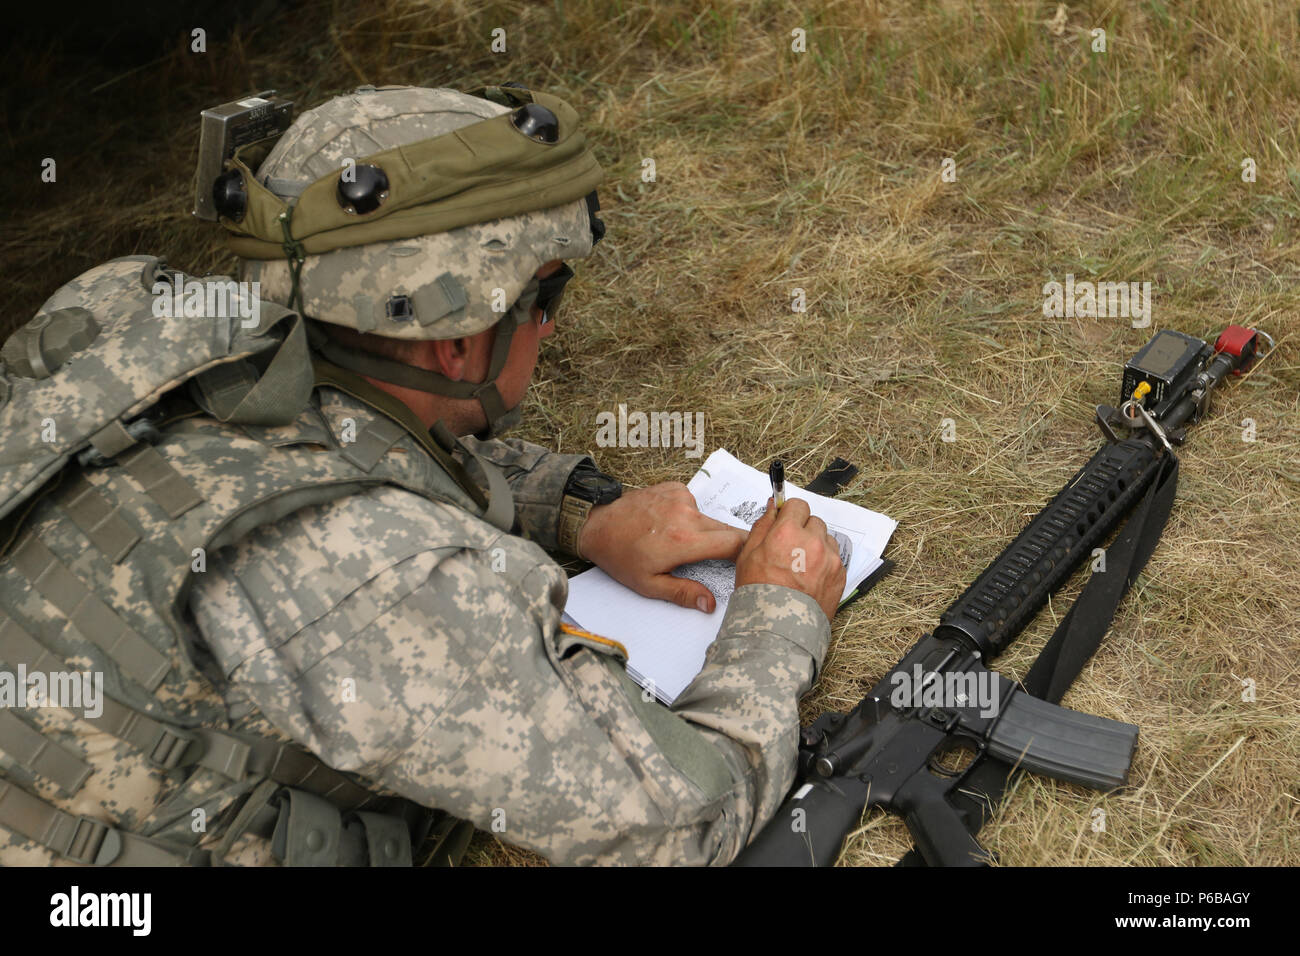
638, 539
791, 547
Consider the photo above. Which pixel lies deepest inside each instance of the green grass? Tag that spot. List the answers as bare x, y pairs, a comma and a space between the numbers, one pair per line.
821, 171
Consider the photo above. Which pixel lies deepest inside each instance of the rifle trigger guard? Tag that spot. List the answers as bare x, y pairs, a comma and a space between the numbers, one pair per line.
955, 742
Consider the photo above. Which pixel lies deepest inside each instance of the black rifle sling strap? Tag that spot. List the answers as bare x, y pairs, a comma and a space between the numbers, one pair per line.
1079, 635
1075, 640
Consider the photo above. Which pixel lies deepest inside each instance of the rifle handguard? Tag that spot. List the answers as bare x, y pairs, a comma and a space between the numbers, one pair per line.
991, 613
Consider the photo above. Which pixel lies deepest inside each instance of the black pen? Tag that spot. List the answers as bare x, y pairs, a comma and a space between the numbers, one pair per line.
777, 473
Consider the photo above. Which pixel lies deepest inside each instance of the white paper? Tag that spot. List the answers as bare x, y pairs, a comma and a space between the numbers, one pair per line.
666, 644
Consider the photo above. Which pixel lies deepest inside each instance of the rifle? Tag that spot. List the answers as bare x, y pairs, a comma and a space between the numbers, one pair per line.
937, 738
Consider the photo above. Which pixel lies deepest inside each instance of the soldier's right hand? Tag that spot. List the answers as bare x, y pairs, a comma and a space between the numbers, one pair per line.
789, 546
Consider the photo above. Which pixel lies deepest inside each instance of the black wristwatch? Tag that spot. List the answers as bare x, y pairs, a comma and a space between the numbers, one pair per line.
586, 488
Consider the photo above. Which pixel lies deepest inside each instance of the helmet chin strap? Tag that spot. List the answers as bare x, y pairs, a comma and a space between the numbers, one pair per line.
499, 418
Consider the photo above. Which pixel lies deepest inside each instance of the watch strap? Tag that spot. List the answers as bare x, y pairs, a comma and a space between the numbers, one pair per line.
573, 515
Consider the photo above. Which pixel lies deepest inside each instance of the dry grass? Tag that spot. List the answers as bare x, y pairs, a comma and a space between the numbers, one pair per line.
777, 170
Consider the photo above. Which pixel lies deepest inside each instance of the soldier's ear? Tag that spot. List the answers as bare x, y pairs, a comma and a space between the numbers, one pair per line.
452, 357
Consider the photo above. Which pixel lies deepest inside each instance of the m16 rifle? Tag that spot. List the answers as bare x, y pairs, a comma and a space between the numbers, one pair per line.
936, 740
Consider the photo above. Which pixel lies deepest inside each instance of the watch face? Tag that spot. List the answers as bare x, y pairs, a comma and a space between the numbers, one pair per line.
595, 487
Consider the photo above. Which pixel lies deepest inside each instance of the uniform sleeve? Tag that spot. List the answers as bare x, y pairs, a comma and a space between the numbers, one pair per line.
413, 644
537, 477
766, 656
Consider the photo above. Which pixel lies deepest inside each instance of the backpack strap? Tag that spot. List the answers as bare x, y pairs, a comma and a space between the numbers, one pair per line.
99, 521
40, 756
82, 839
311, 795
89, 614
164, 746
498, 509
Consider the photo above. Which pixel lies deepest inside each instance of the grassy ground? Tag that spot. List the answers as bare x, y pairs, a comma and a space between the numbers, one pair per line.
821, 170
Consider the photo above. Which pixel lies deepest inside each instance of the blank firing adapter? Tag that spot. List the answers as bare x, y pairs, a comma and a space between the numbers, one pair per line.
1167, 364
228, 127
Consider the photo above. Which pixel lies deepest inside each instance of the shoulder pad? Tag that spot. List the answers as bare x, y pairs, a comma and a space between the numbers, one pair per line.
105, 347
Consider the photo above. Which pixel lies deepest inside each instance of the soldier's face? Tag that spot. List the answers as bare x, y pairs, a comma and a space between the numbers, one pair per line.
522, 360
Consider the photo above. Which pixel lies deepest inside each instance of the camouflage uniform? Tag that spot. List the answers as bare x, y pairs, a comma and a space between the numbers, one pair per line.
361, 596
469, 697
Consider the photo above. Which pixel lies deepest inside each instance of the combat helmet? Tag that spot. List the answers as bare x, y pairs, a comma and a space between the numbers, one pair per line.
416, 213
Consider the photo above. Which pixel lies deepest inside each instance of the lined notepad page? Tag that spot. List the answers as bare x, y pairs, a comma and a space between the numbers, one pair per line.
666, 644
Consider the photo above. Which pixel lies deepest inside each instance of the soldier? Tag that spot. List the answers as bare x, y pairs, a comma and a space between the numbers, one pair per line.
373, 625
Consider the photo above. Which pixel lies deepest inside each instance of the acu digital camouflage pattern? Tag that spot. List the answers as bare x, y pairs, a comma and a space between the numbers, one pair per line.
95, 580
353, 602
351, 286
468, 697
132, 360
403, 639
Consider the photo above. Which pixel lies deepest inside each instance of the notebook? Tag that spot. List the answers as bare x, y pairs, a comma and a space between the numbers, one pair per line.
666, 643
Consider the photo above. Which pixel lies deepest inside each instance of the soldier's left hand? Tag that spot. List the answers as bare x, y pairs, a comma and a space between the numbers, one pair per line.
639, 538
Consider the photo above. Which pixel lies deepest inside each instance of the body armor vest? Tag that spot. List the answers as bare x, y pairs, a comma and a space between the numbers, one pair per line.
134, 440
